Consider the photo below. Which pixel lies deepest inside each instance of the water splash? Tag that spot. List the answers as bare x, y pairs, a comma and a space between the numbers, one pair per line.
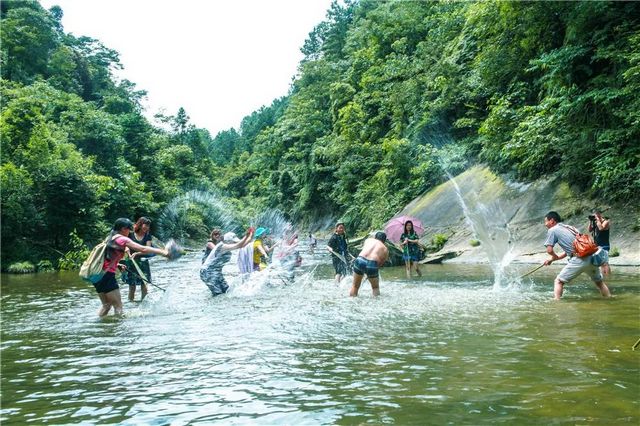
490, 227
193, 214
488, 222
275, 221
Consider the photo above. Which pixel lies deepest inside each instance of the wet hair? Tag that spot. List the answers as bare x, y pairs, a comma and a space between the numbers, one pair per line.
405, 226
553, 215
216, 234
381, 236
122, 222
141, 221
340, 223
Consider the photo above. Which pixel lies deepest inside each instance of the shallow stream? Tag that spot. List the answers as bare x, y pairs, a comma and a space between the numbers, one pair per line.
443, 349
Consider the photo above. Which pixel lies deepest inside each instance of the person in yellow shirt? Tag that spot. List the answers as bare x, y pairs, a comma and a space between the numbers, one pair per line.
260, 250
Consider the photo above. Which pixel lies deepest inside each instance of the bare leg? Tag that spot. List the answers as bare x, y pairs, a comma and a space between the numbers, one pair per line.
605, 269
357, 280
418, 269
375, 286
558, 288
407, 264
338, 278
106, 306
115, 299
144, 291
604, 290
132, 292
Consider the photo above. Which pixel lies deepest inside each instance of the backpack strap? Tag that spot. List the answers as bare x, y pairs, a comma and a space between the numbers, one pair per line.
573, 230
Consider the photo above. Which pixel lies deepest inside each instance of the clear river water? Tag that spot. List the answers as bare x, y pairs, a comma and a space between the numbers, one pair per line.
447, 348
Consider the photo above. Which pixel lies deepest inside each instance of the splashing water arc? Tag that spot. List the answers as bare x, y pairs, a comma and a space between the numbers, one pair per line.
194, 214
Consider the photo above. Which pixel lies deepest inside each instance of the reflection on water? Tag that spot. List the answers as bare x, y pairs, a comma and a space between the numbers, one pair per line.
447, 348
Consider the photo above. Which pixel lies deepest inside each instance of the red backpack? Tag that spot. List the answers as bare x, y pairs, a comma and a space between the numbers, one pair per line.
583, 245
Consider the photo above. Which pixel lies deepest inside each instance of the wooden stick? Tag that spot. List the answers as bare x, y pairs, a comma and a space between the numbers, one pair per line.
141, 275
532, 271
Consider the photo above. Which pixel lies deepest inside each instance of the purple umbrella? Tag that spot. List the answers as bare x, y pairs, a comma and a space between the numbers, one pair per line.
395, 227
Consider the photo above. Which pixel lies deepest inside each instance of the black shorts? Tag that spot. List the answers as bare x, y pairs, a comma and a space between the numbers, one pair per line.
107, 283
339, 266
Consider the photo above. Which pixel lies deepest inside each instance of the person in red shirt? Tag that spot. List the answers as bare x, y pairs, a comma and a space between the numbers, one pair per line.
107, 288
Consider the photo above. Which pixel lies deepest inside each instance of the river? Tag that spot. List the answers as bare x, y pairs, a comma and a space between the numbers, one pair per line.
443, 349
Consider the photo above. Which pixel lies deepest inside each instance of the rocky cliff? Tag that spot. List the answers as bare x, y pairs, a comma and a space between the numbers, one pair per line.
507, 217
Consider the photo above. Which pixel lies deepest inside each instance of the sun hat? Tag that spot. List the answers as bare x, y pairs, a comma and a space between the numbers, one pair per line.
230, 237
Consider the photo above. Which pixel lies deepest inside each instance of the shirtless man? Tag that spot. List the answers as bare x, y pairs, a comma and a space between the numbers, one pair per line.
372, 256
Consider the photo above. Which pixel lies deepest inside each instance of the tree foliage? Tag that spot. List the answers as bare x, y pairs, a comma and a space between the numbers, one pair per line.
390, 95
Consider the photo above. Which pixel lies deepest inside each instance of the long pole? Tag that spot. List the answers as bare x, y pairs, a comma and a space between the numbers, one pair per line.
532, 271
141, 275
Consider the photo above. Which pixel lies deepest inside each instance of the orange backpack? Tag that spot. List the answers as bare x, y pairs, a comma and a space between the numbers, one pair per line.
583, 245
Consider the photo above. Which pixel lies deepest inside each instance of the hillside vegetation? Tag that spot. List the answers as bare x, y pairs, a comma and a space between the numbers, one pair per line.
389, 97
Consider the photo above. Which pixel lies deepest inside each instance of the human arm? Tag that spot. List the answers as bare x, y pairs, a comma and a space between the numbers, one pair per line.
142, 255
248, 235
553, 255
146, 249
602, 223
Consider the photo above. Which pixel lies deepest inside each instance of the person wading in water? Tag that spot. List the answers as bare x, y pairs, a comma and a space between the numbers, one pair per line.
217, 254
107, 288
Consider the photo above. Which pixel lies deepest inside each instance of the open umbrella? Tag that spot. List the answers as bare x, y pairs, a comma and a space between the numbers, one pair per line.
395, 227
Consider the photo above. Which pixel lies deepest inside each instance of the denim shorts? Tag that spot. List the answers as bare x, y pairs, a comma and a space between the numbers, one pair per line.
367, 267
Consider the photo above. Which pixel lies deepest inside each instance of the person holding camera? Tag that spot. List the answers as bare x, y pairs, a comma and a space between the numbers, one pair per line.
599, 228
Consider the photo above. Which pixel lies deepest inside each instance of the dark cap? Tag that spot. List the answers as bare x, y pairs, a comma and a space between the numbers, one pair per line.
340, 223
122, 222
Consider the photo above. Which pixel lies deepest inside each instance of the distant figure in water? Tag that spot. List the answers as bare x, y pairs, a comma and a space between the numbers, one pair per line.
373, 255
409, 241
217, 254
339, 249
313, 243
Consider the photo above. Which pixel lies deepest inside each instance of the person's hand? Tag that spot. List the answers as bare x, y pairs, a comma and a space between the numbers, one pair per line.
135, 254
165, 253
548, 262
122, 267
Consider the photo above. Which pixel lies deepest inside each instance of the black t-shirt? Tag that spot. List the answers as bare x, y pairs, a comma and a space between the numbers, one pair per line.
338, 243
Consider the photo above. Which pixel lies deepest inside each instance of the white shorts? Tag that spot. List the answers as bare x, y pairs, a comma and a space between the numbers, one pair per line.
578, 265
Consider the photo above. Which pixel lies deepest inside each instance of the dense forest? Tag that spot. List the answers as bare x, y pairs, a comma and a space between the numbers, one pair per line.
390, 96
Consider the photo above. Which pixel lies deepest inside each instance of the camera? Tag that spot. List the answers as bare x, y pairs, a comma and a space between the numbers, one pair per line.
592, 217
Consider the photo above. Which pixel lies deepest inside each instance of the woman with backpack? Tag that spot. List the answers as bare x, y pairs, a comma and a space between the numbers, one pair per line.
118, 242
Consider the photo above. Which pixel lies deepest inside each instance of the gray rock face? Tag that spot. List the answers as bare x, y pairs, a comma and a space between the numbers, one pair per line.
507, 218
